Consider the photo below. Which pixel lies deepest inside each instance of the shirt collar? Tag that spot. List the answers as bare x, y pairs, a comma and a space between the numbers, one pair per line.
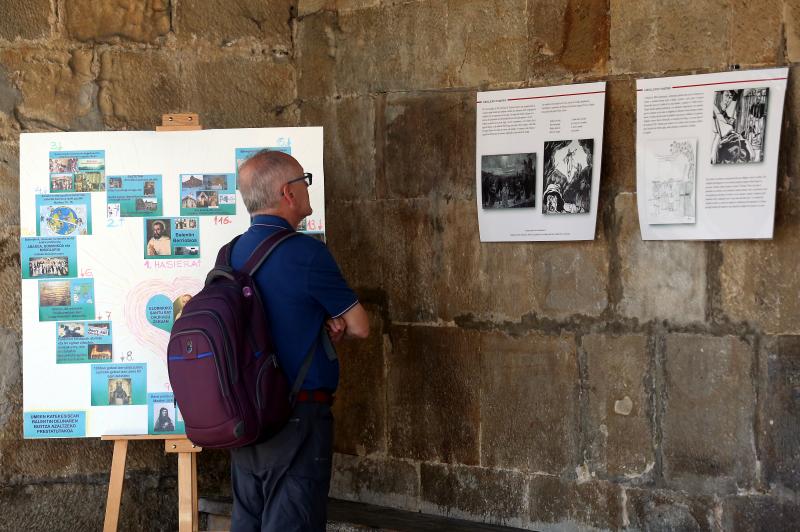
270, 219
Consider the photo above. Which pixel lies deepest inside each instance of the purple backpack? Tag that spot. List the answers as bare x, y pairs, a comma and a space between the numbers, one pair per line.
221, 359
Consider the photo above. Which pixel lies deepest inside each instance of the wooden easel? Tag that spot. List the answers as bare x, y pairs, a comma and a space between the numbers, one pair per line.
186, 450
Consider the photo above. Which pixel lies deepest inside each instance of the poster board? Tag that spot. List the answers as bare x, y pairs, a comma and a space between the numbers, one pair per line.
117, 230
538, 157
707, 154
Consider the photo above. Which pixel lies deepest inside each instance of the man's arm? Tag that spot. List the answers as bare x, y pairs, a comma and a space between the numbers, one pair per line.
352, 324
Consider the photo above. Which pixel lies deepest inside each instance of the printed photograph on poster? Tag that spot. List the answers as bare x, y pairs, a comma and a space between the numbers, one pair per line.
171, 238
508, 181
163, 414
63, 214
77, 171
49, 424
208, 194
119, 384
739, 120
71, 299
567, 180
48, 257
134, 196
80, 342
671, 175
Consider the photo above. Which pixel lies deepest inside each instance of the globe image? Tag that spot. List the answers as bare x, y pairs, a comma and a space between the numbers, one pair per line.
63, 220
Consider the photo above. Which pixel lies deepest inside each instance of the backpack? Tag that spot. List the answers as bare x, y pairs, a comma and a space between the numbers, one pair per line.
224, 372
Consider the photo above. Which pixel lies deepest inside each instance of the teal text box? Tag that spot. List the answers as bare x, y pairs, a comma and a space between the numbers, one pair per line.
159, 421
136, 195
77, 171
63, 214
66, 300
119, 384
48, 257
66, 424
179, 239
79, 342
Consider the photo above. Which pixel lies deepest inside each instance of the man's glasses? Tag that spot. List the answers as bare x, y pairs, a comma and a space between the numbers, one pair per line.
305, 177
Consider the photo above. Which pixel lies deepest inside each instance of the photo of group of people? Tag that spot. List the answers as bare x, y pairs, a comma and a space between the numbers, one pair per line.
508, 181
48, 266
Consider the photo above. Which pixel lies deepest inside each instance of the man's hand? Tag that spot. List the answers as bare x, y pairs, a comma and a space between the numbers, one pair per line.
336, 328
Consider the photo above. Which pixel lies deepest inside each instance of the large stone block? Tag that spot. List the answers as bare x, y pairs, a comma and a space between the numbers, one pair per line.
657, 510
9, 182
10, 292
317, 55
10, 378
659, 36
349, 138
148, 503
791, 25
134, 20
619, 142
756, 33
433, 395
225, 21
708, 438
359, 252
57, 88
781, 424
529, 404
760, 514
486, 41
474, 493
661, 280
384, 482
619, 432
429, 146
25, 20
566, 36
243, 92
360, 408
137, 88
590, 505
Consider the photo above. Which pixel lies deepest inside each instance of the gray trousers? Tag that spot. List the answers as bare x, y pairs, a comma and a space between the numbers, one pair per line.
281, 485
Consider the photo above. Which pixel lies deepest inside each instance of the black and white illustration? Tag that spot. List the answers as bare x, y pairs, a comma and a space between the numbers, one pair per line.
508, 181
671, 176
567, 187
739, 121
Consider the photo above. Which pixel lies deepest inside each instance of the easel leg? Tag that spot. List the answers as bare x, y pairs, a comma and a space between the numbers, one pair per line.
115, 485
187, 492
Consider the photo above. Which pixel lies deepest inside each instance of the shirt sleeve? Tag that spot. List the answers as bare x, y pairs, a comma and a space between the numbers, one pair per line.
327, 286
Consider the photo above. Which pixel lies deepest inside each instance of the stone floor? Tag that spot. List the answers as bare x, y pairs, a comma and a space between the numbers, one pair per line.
345, 516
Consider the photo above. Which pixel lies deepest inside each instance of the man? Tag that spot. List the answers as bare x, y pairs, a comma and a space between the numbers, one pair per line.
159, 243
282, 484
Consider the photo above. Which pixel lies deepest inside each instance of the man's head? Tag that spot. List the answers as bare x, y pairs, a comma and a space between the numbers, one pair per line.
269, 184
158, 229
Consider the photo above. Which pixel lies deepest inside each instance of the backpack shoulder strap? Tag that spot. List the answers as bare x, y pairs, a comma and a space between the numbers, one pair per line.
224, 253
264, 249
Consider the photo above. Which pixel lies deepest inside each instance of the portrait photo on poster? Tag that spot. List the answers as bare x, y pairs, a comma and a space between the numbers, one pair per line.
739, 120
567, 179
508, 181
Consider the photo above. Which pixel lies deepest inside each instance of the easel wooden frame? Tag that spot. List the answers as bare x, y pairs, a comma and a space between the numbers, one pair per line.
186, 450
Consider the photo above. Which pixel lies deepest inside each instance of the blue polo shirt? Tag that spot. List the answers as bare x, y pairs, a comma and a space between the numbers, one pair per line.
301, 286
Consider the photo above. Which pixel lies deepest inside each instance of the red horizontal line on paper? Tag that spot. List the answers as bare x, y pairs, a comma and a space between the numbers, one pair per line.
551, 96
726, 82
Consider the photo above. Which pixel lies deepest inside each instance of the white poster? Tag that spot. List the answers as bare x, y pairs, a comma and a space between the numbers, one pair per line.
538, 162
118, 231
707, 154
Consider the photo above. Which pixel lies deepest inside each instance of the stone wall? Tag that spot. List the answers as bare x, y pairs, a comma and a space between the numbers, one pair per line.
559, 386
